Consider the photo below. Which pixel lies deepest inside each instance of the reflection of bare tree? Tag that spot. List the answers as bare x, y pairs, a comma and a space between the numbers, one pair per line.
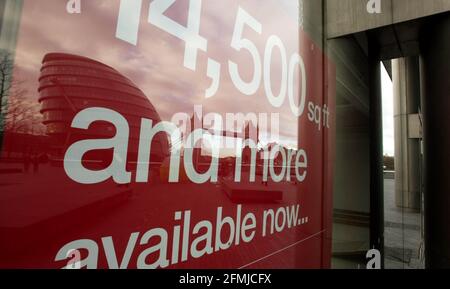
19, 113
6, 68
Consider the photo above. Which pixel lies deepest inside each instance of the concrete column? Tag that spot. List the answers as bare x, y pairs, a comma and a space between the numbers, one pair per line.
406, 81
435, 66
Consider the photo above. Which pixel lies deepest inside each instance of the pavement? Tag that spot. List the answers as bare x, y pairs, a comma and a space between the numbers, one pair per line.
402, 238
403, 233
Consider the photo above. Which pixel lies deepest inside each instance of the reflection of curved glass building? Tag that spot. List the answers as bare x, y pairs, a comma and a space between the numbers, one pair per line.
70, 83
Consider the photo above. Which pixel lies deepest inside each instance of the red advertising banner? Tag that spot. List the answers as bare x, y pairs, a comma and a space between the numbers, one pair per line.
167, 134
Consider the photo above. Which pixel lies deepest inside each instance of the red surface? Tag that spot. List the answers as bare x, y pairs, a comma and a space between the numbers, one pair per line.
42, 208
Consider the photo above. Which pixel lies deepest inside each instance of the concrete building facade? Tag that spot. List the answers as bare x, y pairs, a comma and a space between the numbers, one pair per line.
413, 34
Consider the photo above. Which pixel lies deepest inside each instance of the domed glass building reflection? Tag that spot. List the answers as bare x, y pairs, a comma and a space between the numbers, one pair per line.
70, 83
